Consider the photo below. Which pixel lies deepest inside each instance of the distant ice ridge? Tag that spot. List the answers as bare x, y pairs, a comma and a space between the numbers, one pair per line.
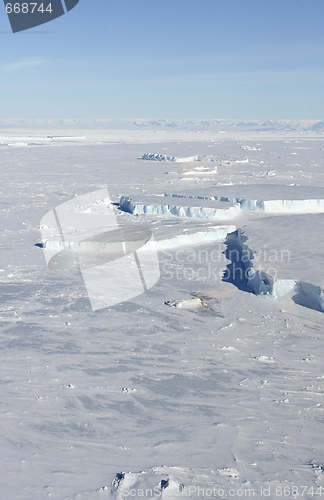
161, 208
163, 125
161, 157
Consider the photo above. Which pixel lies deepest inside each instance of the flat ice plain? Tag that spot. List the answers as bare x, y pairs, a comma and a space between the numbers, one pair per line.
208, 380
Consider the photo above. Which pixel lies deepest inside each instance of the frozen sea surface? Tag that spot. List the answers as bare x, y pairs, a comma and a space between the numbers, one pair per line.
224, 392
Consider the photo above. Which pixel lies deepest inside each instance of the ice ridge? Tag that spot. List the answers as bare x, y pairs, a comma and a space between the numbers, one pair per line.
274, 206
137, 208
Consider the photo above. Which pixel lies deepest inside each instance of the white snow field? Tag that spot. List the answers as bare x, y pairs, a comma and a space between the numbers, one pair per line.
211, 383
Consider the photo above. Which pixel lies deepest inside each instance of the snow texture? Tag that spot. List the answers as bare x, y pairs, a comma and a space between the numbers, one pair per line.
200, 382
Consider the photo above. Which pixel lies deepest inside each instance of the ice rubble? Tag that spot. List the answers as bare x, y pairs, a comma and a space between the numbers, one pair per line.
205, 209
313, 294
162, 157
258, 281
174, 482
186, 303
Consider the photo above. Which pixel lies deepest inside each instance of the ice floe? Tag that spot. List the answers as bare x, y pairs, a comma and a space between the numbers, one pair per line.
186, 303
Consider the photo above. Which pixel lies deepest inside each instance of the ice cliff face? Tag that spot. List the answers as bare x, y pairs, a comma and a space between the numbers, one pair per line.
274, 206
263, 283
198, 238
258, 281
160, 207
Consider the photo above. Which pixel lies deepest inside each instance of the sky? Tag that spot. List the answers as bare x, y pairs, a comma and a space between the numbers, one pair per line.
238, 59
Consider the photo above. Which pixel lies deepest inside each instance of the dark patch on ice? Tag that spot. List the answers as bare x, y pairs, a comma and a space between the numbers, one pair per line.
39, 245
164, 483
118, 480
235, 271
318, 469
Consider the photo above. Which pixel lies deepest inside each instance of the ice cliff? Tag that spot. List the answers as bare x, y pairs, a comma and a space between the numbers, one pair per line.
158, 206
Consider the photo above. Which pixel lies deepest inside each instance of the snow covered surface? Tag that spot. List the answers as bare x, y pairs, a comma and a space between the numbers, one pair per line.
196, 383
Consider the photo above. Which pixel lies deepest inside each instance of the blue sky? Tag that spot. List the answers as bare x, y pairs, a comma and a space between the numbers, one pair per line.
240, 59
